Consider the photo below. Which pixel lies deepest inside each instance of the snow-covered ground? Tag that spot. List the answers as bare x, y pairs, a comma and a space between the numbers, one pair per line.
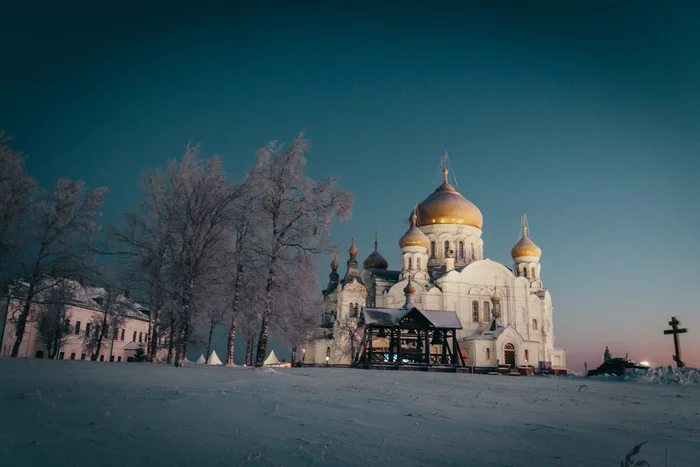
73, 413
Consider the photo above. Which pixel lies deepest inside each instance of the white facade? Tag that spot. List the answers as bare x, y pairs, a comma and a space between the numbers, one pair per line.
449, 271
80, 313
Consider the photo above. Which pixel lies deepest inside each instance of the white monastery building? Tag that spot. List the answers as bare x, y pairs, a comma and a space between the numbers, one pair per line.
505, 313
83, 317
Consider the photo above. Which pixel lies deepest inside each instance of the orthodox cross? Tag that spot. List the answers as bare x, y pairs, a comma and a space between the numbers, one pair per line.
676, 340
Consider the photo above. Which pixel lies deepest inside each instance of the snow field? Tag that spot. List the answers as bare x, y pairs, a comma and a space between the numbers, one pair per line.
89, 413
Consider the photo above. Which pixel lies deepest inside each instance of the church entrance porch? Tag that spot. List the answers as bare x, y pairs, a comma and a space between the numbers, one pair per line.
509, 355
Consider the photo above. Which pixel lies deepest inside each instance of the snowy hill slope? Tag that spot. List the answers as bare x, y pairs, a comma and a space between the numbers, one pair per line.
90, 413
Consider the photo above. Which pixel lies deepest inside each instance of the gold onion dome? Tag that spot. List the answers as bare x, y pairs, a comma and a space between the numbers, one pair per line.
334, 263
447, 206
375, 260
525, 247
353, 249
414, 236
409, 289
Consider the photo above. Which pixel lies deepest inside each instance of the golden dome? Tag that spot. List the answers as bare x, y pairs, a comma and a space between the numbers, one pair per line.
409, 289
334, 263
447, 206
495, 298
414, 236
353, 249
525, 247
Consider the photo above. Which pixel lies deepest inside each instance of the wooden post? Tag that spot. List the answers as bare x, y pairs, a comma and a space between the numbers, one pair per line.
676, 340
398, 353
391, 345
444, 347
427, 348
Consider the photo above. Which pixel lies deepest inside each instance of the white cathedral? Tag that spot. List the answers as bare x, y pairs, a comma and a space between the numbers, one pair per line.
505, 313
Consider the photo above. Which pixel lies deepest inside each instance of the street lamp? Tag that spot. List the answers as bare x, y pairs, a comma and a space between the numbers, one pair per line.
327, 358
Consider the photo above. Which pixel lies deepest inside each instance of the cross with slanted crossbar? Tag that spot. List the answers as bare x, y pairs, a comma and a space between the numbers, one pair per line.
676, 340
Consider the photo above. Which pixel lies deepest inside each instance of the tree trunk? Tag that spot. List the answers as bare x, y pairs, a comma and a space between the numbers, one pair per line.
98, 348
154, 336
185, 323
173, 330
267, 314
22, 319
231, 341
234, 311
249, 349
294, 354
212, 325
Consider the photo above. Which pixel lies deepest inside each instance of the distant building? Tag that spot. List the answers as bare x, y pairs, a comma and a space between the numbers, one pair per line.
505, 313
83, 311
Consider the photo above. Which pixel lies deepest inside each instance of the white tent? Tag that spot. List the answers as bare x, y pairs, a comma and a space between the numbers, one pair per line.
201, 361
271, 359
214, 359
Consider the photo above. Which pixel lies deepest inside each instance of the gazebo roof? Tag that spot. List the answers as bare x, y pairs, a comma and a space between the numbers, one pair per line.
391, 317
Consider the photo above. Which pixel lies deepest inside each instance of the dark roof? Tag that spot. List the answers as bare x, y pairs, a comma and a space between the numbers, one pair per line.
385, 274
388, 317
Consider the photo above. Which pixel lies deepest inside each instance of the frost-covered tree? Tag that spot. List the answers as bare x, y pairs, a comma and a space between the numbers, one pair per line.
59, 232
199, 204
53, 320
104, 328
297, 303
295, 216
16, 191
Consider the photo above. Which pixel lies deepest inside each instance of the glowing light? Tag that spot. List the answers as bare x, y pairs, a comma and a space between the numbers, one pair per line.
644, 363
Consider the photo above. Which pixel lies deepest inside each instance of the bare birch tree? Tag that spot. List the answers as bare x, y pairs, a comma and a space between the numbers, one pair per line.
295, 214
62, 223
16, 191
53, 321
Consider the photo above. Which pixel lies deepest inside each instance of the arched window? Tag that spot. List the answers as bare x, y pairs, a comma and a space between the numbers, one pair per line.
534, 325
461, 249
418, 263
487, 311
525, 272
357, 311
532, 273
328, 352
475, 311
351, 311
488, 354
410, 263
432, 249
527, 355
447, 249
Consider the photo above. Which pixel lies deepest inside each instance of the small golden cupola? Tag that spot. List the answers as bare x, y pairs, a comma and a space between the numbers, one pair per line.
447, 206
375, 260
353, 248
525, 248
414, 236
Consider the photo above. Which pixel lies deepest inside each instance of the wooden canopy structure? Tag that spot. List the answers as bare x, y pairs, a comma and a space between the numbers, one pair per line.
401, 338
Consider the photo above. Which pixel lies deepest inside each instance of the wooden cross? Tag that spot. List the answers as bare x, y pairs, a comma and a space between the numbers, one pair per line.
676, 340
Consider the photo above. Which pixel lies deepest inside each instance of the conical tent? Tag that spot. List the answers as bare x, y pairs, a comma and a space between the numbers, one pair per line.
201, 361
214, 359
271, 359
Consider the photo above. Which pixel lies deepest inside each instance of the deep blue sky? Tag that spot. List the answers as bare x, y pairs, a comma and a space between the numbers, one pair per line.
584, 115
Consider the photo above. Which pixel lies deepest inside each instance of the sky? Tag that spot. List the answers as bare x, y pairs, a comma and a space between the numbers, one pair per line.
584, 115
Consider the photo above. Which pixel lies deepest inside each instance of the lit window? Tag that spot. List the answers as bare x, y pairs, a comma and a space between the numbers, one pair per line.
527, 355
488, 354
